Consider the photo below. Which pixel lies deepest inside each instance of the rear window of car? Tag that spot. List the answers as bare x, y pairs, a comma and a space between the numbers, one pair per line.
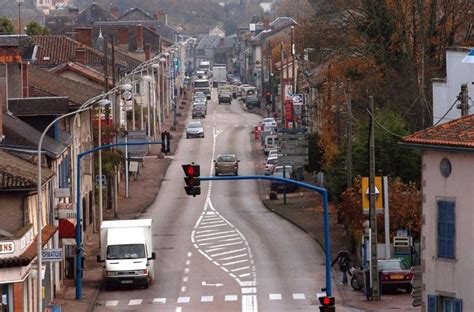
391, 265
226, 158
272, 161
194, 125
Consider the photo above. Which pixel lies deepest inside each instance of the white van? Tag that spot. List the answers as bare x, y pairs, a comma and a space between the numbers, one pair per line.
246, 91
270, 142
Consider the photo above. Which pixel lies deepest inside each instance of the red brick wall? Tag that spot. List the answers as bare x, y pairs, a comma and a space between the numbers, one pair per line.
84, 35
139, 37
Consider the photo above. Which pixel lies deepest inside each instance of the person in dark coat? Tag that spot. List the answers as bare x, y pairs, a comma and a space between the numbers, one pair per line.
343, 258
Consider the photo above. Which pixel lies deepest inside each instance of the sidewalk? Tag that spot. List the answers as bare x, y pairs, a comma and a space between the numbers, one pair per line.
142, 193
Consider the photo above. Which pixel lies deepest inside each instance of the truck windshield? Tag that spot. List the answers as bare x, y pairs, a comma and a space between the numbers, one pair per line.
201, 84
131, 251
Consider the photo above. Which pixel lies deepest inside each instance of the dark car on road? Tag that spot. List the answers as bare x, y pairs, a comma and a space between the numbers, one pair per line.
225, 97
252, 102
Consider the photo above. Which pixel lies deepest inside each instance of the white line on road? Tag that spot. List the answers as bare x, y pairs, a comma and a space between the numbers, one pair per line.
214, 249
183, 289
190, 254
229, 244
210, 226
159, 300
231, 298
249, 290
207, 298
213, 234
227, 252
299, 296
179, 309
185, 279
135, 302
249, 303
205, 231
111, 303
246, 283
188, 262
244, 275
217, 237
183, 299
241, 269
186, 270
233, 257
274, 296
235, 262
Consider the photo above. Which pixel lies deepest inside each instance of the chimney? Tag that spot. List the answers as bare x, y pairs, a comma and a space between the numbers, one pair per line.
84, 35
73, 12
147, 52
123, 38
266, 23
139, 38
24, 81
115, 12
157, 15
80, 56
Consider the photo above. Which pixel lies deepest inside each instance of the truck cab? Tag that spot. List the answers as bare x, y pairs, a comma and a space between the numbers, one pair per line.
203, 85
127, 253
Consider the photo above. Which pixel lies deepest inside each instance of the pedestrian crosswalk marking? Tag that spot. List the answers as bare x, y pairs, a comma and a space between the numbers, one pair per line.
159, 300
275, 296
207, 298
231, 298
299, 296
249, 290
183, 299
111, 303
241, 269
135, 302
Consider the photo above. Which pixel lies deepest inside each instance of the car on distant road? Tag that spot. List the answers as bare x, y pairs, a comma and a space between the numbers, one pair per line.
270, 121
226, 164
225, 97
199, 110
289, 173
194, 129
252, 102
270, 164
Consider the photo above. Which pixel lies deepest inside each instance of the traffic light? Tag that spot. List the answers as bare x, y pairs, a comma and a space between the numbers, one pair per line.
328, 304
193, 184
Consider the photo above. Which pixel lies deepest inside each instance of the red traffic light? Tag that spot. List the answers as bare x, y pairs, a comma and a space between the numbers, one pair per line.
192, 170
327, 301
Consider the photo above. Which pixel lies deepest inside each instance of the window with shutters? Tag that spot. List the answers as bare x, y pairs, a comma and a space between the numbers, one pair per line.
446, 240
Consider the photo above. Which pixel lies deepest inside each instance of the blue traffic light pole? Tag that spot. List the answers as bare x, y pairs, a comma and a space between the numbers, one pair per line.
320, 190
78, 207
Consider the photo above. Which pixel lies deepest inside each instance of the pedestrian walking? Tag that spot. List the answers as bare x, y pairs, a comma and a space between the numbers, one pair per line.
343, 258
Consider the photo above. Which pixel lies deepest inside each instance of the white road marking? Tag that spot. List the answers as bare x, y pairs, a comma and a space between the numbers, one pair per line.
111, 303
186, 270
214, 249
235, 262
217, 237
244, 275
190, 254
135, 302
241, 269
159, 300
299, 296
188, 262
207, 298
247, 283
213, 234
249, 290
227, 252
275, 296
185, 279
183, 299
229, 244
179, 309
231, 298
205, 231
209, 226
233, 257
183, 289
231, 239
249, 303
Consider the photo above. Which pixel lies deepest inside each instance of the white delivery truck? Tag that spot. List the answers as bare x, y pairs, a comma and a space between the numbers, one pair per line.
126, 249
219, 74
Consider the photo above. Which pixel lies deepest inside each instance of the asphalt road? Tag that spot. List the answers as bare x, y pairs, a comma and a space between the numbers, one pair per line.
223, 250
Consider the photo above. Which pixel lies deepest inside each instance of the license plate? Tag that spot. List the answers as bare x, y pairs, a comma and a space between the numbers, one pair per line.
396, 277
126, 282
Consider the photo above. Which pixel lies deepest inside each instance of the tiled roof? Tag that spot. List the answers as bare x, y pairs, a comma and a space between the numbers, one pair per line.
91, 14
38, 106
458, 133
17, 173
19, 133
166, 32
208, 41
83, 70
55, 50
55, 85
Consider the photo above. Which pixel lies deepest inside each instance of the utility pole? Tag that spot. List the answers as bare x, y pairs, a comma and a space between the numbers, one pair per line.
293, 58
464, 100
262, 67
338, 113
282, 88
349, 133
374, 294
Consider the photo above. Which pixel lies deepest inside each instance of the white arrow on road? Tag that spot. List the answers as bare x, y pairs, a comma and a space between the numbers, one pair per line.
214, 285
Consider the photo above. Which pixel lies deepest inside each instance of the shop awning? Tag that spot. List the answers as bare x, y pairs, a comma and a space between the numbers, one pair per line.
30, 253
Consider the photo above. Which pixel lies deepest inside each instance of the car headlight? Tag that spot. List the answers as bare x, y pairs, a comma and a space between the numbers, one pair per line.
142, 272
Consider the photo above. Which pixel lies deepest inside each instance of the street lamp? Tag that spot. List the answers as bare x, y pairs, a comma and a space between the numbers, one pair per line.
147, 79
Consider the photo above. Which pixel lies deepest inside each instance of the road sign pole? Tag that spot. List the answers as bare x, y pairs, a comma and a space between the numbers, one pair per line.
386, 217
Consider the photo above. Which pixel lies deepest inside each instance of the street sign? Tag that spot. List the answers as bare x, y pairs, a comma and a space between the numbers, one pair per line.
66, 213
293, 160
293, 151
297, 99
52, 255
378, 195
104, 180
